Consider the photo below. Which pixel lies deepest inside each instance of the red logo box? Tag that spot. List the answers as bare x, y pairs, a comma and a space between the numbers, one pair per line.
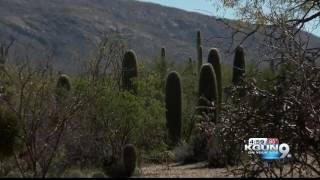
272, 141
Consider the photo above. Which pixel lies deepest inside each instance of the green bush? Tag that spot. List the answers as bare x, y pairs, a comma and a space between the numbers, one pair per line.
189, 94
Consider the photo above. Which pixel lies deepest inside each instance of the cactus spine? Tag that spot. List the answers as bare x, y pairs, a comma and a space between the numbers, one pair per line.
173, 100
129, 69
214, 60
129, 156
238, 66
199, 51
208, 88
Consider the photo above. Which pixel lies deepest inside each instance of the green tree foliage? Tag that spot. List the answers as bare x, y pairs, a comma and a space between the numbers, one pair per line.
189, 88
129, 118
270, 12
161, 66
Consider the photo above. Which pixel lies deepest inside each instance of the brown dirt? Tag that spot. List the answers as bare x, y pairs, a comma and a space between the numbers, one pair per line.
178, 171
198, 170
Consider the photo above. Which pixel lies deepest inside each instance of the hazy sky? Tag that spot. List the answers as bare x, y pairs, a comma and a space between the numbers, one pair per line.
208, 8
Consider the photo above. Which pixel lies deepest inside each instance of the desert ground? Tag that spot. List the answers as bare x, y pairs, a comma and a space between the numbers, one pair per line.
175, 170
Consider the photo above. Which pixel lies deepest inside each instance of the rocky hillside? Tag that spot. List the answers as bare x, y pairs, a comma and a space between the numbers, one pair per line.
70, 29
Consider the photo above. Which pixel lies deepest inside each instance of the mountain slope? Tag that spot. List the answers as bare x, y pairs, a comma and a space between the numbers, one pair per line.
72, 28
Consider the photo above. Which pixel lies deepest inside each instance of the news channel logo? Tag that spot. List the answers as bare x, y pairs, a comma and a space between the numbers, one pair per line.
268, 148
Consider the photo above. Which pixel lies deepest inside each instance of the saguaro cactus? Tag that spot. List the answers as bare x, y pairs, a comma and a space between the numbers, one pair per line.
214, 60
129, 156
199, 51
163, 64
173, 100
8, 132
163, 53
63, 85
198, 38
129, 69
163, 68
208, 88
238, 66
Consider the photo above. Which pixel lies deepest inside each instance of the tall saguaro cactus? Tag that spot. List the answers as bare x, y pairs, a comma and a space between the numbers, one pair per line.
129, 69
214, 60
208, 88
199, 51
238, 66
173, 99
129, 156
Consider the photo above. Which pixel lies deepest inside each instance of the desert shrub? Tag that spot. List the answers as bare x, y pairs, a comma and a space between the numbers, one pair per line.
183, 153
113, 118
279, 108
41, 120
189, 81
90, 125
